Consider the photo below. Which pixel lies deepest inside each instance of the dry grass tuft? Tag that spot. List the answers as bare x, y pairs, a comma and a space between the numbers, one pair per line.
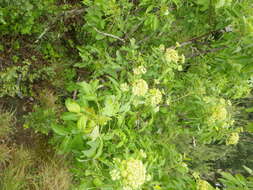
14, 175
7, 120
22, 170
55, 175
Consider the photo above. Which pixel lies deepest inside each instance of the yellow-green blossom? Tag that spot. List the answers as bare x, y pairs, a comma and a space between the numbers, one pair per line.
179, 68
203, 185
149, 177
155, 96
127, 188
219, 113
139, 70
156, 81
171, 55
232, 139
168, 101
182, 58
157, 187
140, 87
124, 87
134, 173
143, 154
177, 44
162, 47
115, 174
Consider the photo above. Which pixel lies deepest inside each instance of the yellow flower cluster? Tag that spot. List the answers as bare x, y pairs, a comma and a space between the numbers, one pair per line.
219, 113
203, 185
115, 174
140, 87
127, 188
155, 96
124, 87
131, 173
232, 139
134, 173
182, 58
171, 55
157, 187
139, 70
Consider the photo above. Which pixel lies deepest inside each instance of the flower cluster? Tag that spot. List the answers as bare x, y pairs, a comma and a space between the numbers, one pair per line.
233, 138
139, 70
217, 111
140, 87
171, 55
115, 174
155, 96
132, 172
124, 87
202, 185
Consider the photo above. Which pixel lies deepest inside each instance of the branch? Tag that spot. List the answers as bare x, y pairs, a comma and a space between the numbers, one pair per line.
66, 14
133, 30
75, 92
108, 35
206, 52
193, 40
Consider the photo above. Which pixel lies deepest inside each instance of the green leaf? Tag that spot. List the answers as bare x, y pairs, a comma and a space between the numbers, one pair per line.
85, 87
60, 130
111, 106
81, 124
69, 116
100, 149
72, 106
250, 171
249, 109
220, 3
95, 133
65, 145
249, 127
91, 152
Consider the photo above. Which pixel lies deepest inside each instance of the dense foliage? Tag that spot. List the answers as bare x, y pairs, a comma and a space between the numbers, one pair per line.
141, 94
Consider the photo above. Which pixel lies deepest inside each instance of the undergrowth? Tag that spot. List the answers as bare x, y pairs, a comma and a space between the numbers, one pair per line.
131, 94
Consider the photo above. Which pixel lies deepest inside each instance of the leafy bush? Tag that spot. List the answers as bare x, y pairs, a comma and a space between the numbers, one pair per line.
21, 17
152, 88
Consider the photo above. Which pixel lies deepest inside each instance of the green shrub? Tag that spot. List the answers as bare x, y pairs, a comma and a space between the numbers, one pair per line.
22, 17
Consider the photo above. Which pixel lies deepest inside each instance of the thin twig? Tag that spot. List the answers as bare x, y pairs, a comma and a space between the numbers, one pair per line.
20, 95
134, 29
193, 40
108, 35
188, 94
146, 38
206, 52
66, 14
194, 142
75, 92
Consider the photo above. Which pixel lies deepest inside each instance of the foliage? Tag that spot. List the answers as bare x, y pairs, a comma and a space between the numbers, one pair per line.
20, 17
21, 167
143, 94
237, 182
14, 79
7, 119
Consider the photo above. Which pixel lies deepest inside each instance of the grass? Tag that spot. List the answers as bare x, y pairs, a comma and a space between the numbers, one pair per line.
7, 119
22, 170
